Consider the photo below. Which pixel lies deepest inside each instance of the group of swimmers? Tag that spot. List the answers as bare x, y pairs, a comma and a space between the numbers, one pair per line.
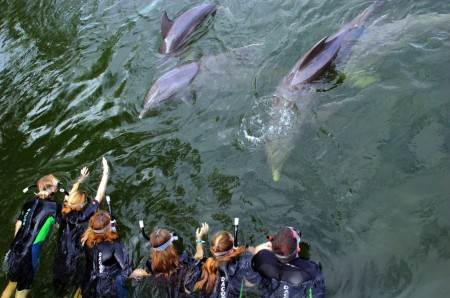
92, 262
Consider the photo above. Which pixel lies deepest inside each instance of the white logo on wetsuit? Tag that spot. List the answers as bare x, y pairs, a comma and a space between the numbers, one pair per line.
223, 287
285, 291
101, 268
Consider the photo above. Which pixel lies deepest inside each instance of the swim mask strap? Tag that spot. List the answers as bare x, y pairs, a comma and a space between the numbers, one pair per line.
166, 245
220, 254
102, 230
298, 238
77, 205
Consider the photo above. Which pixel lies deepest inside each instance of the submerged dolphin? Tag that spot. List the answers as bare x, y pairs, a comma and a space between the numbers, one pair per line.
208, 74
168, 85
293, 95
176, 33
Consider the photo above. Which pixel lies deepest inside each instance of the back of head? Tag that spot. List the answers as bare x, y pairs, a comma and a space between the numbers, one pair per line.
47, 186
99, 229
164, 255
75, 201
222, 247
284, 244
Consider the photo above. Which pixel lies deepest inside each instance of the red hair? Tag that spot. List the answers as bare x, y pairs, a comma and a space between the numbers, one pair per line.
99, 221
166, 261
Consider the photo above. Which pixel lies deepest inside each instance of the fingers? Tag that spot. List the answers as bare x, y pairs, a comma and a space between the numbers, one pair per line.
105, 166
84, 171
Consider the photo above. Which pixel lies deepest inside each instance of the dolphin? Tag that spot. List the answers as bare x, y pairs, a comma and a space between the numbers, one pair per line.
294, 94
167, 85
208, 74
176, 33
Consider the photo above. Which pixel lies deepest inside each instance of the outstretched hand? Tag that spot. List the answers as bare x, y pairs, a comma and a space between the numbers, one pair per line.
200, 232
105, 166
138, 273
84, 173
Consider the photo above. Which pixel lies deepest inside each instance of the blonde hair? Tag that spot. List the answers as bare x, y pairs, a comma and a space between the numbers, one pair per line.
47, 186
75, 198
165, 261
98, 221
222, 242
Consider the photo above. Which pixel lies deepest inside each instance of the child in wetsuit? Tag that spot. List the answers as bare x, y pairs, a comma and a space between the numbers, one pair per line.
107, 264
32, 227
69, 263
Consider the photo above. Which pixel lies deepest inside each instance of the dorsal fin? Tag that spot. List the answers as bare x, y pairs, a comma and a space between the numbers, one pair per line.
316, 49
166, 24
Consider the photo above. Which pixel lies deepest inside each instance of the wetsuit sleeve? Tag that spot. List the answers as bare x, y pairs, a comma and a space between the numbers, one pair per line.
264, 263
250, 274
24, 210
88, 212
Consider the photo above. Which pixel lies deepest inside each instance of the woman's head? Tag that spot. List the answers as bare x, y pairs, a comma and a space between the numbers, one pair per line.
75, 201
164, 254
223, 250
47, 186
285, 244
99, 230
222, 244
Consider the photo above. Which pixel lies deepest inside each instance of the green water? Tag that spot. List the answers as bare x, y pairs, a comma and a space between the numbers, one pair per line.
368, 180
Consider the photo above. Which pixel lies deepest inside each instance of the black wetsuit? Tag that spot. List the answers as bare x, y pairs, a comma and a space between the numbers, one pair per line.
232, 275
69, 263
107, 268
297, 278
37, 217
183, 280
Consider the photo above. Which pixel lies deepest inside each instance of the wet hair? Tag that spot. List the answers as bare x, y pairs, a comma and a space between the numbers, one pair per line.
222, 249
47, 186
75, 198
284, 243
165, 261
100, 220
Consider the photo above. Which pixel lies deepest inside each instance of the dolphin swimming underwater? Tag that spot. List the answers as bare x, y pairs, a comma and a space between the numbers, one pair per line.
176, 33
208, 74
168, 85
294, 94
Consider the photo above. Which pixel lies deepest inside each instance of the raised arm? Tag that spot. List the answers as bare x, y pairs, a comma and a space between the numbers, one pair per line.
103, 182
199, 233
83, 174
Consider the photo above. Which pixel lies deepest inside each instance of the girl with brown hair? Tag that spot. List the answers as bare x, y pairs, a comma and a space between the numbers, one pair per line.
107, 264
69, 262
175, 275
31, 229
226, 272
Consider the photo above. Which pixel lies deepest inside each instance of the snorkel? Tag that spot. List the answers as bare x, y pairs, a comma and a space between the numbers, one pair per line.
113, 220
236, 228
141, 226
35, 186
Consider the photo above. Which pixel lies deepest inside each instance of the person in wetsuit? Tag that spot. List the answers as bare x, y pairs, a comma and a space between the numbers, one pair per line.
107, 264
174, 275
31, 229
69, 263
228, 270
283, 272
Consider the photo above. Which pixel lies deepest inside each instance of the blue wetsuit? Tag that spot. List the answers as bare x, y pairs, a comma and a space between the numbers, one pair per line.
37, 217
69, 263
298, 278
107, 268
